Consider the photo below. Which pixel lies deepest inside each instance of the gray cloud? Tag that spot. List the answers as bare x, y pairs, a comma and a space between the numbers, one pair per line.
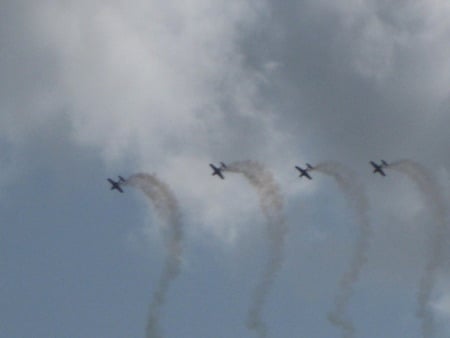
322, 49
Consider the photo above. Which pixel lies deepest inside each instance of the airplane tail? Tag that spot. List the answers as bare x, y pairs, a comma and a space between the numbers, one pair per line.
384, 163
121, 179
224, 166
309, 166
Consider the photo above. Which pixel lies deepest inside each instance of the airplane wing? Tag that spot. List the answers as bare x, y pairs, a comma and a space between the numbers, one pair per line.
220, 175
119, 188
374, 164
111, 181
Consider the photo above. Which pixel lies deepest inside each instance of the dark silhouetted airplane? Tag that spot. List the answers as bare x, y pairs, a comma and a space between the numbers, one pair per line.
218, 171
116, 185
304, 172
378, 168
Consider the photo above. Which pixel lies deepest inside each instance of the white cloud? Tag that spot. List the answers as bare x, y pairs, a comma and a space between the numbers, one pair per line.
442, 306
152, 85
441, 301
380, 38
163, 82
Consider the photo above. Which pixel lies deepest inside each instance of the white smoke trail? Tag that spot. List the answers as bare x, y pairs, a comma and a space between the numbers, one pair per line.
434, 200
271, 202
357, 199
166, 206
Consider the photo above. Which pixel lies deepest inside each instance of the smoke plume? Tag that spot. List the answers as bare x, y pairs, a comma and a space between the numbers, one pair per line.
357, 199
271, 203
166, 206
434, 201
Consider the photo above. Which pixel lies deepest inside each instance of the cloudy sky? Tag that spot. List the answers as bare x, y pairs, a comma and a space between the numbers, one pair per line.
93, 89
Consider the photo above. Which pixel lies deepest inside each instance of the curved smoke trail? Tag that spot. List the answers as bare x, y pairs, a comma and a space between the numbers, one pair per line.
166, 206
271, 203
356, 196
434, 200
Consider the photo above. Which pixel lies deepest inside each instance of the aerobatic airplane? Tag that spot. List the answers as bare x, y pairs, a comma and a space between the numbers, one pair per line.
116, 185
378, 168
218, 171
304, 172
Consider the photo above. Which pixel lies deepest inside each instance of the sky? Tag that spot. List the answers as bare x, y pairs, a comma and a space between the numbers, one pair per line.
95, 89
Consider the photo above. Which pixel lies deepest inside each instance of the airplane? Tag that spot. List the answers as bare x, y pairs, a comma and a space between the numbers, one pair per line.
218, 171
378, 168
116, 185
304, 172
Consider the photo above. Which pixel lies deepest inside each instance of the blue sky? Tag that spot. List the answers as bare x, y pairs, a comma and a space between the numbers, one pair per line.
94, 89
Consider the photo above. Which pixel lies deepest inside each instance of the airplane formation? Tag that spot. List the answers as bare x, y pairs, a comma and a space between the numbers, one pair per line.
218, 171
